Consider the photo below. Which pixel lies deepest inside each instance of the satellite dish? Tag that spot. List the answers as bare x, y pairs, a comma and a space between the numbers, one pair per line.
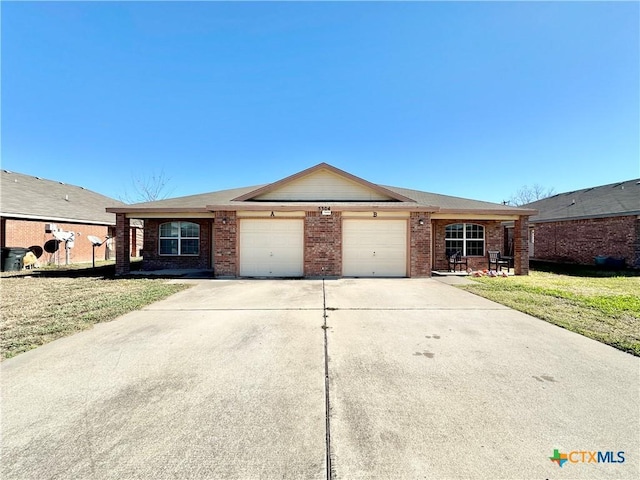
51, 246
94, 240
62, 236
37, 250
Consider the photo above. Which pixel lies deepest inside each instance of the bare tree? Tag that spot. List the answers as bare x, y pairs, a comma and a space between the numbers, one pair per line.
528, 194
147, 189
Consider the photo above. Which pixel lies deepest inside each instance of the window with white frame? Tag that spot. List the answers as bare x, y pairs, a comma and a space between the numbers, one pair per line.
179, 238
468, 238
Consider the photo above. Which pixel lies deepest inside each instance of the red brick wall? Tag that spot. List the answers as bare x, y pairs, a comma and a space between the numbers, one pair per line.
123, 244
27, 233
225, 259
579, 241
137, 240
521, 246
420, 245
493, 240
152, 260
322, 244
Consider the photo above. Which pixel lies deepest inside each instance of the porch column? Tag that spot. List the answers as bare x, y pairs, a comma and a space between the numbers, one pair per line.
521, 245
134, 233
123, 244
636, 245
420, 244
225, 255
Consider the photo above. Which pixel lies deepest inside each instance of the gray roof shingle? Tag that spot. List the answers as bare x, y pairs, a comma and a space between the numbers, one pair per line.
25, 196
449, 203
614, 199
224, 198
199, 201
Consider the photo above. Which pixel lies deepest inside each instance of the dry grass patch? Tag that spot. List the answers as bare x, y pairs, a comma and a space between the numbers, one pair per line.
37, 310
606, 309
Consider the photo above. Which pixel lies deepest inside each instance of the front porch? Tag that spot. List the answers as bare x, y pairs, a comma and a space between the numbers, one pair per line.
474, 236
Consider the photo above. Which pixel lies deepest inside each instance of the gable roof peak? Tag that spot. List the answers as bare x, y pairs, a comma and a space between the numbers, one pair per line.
286, 187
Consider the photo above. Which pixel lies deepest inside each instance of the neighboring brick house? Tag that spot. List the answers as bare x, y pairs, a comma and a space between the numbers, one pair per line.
319, 222
32, 208
576, 227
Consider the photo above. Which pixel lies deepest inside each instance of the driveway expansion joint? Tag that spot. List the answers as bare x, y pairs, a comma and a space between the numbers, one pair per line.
415, 309
279, 309
330, 473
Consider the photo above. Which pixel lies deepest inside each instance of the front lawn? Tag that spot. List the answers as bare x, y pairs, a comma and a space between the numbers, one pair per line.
38, 309
606, 309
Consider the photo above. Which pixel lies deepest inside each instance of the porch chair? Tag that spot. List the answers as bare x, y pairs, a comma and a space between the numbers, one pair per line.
497, 260
455, 258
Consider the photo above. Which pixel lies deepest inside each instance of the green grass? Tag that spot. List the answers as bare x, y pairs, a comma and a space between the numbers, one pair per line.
606, 309
38, 309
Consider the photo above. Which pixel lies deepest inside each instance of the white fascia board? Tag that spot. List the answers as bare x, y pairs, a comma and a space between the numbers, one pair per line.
21, 216
472, 216
141, 215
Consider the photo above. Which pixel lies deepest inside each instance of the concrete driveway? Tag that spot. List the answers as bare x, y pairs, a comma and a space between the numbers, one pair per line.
234, 379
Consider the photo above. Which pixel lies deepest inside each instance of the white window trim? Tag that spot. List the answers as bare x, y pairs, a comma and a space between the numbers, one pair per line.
178, 238
464, 238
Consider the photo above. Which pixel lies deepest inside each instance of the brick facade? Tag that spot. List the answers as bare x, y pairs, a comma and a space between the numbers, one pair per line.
579, 241
636, 245
151, 251
226, 241
493, 240
28, 233
123, 244
420, 244
521, 246
322, 244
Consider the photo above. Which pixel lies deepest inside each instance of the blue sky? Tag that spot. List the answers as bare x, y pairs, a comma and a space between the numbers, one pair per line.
465, 99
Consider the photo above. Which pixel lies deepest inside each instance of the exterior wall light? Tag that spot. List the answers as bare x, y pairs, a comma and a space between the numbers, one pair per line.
421, 222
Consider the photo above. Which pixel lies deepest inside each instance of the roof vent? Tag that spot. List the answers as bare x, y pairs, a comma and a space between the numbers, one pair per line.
573, 202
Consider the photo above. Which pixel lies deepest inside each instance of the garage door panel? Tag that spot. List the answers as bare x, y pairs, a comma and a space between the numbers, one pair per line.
271, 248
374, 248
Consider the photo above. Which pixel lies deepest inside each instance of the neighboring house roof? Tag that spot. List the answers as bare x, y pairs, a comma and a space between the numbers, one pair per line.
28, 197
612, 200
296, 192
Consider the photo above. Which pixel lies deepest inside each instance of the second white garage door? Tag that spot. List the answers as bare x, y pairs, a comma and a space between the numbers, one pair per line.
374, 248
271, 248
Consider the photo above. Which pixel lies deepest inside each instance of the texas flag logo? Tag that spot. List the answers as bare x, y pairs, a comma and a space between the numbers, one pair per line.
559, 458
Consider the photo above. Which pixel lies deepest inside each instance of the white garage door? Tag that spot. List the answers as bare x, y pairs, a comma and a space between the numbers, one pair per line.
271, 248
374, 248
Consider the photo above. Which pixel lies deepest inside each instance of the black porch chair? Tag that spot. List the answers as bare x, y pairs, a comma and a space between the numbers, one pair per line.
497, 260
456, 259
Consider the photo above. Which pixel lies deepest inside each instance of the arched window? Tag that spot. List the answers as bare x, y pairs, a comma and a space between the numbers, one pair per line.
468, 238
179, 238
